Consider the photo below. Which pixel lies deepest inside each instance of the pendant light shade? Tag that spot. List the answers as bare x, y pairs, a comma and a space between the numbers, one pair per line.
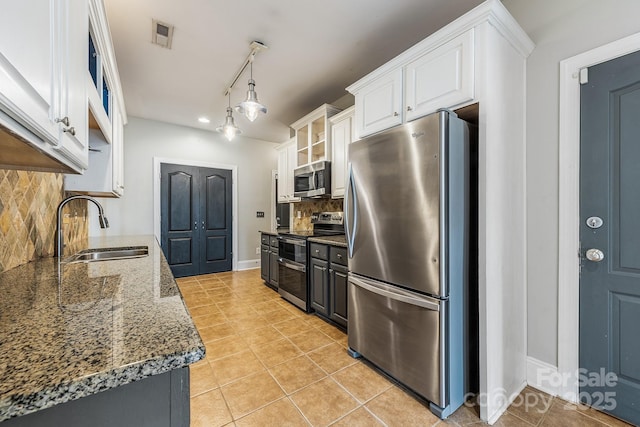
251, 107
229, 128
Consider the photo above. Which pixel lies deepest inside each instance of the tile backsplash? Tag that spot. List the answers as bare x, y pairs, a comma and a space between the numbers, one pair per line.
302, 211
28, 203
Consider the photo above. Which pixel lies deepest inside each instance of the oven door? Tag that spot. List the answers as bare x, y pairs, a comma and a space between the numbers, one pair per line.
292, 249
292, 283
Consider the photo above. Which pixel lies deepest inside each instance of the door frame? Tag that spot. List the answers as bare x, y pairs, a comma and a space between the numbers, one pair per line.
157, 162
569, 206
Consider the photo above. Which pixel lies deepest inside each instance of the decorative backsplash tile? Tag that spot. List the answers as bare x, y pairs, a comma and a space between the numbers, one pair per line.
302, 211
28, 203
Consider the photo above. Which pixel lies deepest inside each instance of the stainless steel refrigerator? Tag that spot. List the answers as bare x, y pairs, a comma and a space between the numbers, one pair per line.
407, 227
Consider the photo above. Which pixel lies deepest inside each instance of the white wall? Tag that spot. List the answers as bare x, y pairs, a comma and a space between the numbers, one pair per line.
560, 29
145, 139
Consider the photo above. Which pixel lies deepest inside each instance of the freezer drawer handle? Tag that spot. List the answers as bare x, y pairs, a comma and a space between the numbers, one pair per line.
395, 296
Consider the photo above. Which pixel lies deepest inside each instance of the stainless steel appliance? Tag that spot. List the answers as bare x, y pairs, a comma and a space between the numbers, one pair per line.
293, 280
407, 227
312, 180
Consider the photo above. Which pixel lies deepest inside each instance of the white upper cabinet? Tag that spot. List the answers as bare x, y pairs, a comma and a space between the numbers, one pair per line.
427, 77
105, 109
440, 78
283, 173
27, 66
287, 157
379, 104
42, 53
73, 96
313, 141
341, 137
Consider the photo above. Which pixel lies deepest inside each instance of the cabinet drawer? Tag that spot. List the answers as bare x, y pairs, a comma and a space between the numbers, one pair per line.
319, 251
273, 242
338, 255
264, 239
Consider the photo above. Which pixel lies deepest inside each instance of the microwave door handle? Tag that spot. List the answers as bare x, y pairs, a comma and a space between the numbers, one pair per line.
315, 181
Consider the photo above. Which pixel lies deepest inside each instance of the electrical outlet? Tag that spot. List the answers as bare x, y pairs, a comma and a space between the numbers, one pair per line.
259, 214
258, 251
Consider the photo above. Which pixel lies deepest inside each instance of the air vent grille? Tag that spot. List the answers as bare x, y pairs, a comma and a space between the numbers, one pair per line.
162, 34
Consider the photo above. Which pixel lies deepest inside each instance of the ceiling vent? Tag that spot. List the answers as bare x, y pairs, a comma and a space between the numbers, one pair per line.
162, 34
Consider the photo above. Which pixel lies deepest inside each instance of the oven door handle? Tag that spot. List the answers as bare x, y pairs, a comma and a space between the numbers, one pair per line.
296, 242
292, 265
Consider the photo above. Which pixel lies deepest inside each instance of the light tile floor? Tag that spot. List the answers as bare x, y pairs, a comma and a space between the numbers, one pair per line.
270, 364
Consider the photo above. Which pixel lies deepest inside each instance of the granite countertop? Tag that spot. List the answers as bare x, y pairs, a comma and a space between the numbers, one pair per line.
340, 240
103, 325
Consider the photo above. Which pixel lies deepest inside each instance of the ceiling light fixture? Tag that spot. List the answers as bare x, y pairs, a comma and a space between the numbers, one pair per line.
251, 107
204, 120
229, 128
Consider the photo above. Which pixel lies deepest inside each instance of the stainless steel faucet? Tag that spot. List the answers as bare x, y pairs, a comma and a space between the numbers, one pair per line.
59, 236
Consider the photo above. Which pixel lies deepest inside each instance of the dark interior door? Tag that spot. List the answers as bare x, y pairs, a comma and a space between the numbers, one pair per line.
215, 223
196, 219
179, 201
610, 238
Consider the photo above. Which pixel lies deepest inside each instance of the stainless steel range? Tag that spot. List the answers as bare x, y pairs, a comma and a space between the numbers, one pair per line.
293, 258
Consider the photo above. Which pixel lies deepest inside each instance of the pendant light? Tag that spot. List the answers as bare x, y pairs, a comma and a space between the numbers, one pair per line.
229, 128
251, 107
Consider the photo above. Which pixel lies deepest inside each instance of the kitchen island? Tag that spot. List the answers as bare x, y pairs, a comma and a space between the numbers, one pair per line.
100, 343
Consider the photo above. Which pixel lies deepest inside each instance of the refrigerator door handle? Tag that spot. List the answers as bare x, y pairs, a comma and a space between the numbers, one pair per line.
351, 189
402, 297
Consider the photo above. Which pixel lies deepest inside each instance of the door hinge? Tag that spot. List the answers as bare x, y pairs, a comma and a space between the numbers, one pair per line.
580, 260
584, 76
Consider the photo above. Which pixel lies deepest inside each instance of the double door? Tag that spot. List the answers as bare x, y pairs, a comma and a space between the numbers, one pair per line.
196, 219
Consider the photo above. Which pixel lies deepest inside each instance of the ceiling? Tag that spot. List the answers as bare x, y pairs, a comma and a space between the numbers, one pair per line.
316, 49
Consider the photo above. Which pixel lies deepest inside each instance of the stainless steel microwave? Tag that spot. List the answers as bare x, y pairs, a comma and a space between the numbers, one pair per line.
312, 180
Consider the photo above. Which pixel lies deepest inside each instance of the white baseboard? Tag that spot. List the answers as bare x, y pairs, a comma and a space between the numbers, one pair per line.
543, 376
248, 264
509, 400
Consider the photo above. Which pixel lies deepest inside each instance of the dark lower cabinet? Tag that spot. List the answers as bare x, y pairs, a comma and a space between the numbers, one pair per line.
156, 401
264, 262
338, 285
319, 271
269, 259
329, 284
273, 267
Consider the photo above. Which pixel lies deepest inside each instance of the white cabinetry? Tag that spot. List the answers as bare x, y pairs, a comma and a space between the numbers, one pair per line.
105, 175
479, 58
287, 154
440, 78
313, 141
341, 136
429, 77
42, 52
379, 104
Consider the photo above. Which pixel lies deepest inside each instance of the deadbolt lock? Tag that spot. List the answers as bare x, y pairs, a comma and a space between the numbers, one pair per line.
594, 222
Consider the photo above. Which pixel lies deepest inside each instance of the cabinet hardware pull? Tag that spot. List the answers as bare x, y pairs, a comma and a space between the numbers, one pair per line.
64, 121
409, 108
339, 256
195, 225
395, 114
70, 130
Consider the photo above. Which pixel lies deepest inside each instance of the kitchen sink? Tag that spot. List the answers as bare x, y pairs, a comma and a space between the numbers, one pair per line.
109, 254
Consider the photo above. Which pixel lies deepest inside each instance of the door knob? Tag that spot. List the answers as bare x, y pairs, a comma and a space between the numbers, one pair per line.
595, 255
